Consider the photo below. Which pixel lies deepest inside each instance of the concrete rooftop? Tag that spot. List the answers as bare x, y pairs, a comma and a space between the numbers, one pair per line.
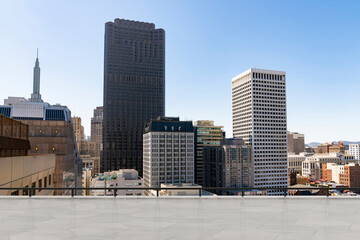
180, 218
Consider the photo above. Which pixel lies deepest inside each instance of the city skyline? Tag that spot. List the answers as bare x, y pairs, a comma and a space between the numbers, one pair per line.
318, 61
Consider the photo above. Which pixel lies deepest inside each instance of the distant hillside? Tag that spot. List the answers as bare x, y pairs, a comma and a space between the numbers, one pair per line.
312, 144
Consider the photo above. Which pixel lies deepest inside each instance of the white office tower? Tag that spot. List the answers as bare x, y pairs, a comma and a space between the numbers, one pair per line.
354, 150
259, 117
168, 152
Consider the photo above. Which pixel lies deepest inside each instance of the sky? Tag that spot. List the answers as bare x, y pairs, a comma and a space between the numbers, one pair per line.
207, 44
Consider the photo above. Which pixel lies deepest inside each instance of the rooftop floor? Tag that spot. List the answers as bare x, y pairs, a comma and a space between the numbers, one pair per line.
180, 218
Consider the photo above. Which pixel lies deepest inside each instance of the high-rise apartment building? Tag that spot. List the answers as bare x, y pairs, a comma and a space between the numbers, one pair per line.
97, 130
259, 117
168, 152
207, 134
354, 149
78, 131
134, 90
296, 142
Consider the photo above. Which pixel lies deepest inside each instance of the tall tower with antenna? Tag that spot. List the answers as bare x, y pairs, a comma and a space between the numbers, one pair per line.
35, 96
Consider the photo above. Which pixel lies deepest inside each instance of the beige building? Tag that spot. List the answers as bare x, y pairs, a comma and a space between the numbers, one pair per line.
78, 131
88, 148
123, 178
97, 130
26, 172
296, 160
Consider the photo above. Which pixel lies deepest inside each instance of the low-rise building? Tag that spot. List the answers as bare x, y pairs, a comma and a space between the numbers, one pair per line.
191, 189
347, 174
124, 178
330, 148
295, 162
312, 166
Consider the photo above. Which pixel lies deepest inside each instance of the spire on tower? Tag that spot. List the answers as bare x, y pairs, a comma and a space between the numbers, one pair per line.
35, 96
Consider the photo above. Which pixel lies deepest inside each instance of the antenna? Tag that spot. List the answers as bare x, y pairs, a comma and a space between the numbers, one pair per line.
37, 53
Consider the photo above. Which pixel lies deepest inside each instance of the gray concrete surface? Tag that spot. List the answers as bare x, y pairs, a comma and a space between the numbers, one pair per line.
180, 218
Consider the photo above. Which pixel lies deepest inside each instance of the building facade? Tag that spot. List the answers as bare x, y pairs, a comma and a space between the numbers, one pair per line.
312, 166
168, 152
228, 165
346, 174
259, 117
296, 142
97, 130
207, 134
354, 149
78, 131
295, 162
134, 90
14, 138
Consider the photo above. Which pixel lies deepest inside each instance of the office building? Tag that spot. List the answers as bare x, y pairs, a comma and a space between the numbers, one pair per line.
134, 90
97, 130
347, 174
168, 152
50, 132
312, 166
228, 165
259, 118
123, 178
78, 131
354, 149
296, 142
207, 134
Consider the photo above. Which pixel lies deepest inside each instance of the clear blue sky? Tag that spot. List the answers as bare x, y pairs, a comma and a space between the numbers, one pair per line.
207, 43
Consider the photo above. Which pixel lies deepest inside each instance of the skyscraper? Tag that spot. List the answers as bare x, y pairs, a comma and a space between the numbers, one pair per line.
134, 90
259, 117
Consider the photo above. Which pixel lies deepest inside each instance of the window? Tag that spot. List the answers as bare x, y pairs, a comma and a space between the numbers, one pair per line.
33, 185
45, 182
40, 184
26, 191
49, 179
15, 193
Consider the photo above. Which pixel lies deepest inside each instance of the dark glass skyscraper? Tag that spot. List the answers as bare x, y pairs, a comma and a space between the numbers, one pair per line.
134, 89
